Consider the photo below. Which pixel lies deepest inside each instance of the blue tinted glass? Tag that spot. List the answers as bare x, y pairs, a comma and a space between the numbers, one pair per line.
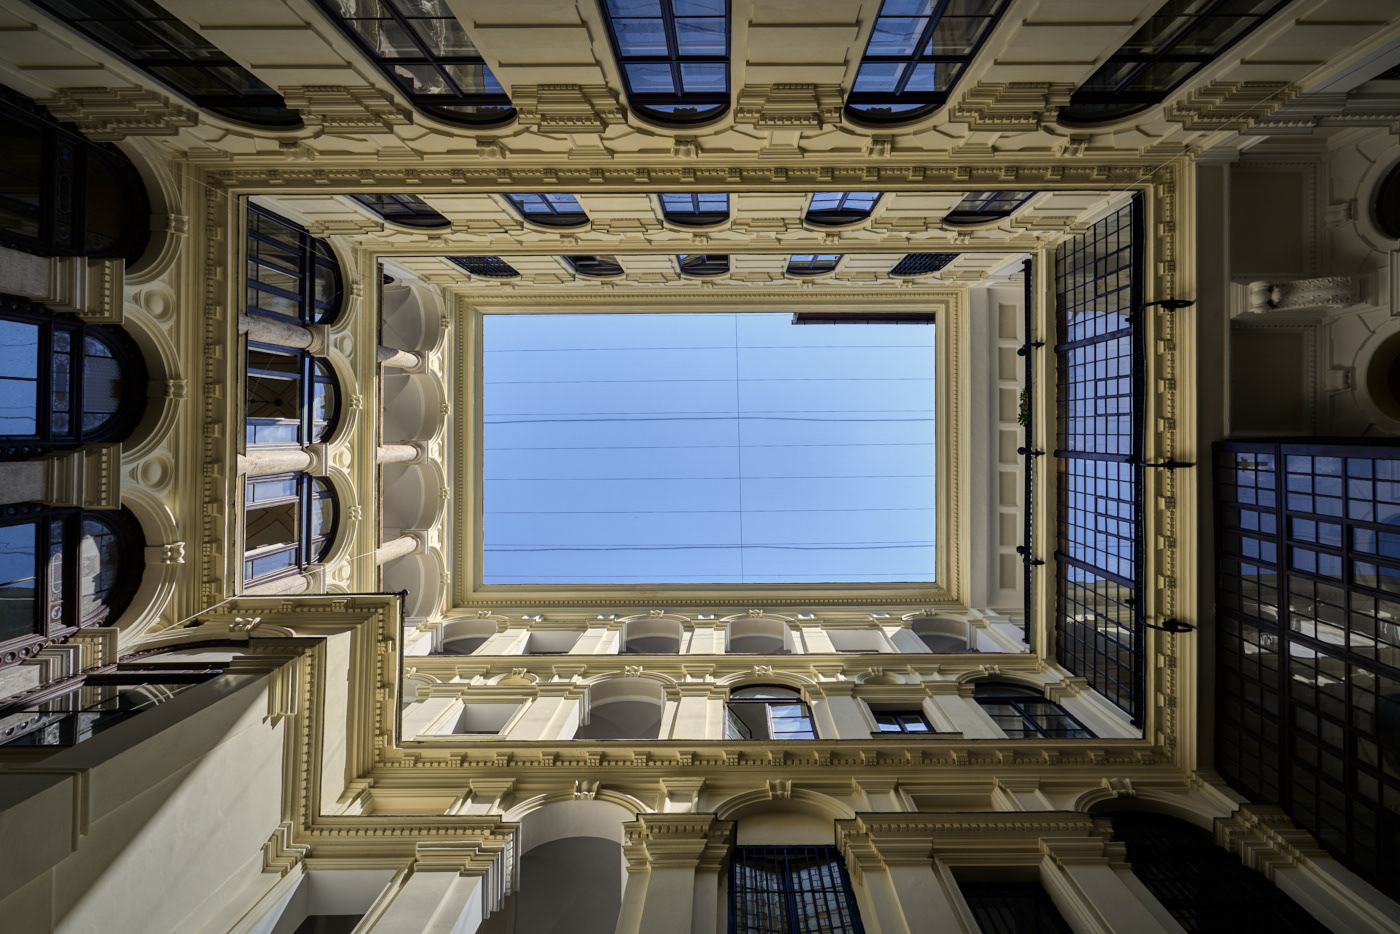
19, 350
933, 77
565, 202
906, 8
651, 79
700, 77
895, 36
698, 7
640, 36
714, 202
701, 36
18, 546
878, 77
825, 200
634, 7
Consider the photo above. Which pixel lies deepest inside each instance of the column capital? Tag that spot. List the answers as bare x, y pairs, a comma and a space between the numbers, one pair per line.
676, 841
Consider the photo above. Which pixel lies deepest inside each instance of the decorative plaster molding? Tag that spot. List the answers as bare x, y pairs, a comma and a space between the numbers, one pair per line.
1265, 838
1010, 106
336, 109
109, 114
789, 106
1297, 294
569, 108
1222, 105
281, 853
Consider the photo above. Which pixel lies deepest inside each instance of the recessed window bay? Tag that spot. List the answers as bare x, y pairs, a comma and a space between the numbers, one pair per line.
713, 448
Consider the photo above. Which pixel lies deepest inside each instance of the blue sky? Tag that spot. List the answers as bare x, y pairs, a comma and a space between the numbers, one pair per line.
706, 448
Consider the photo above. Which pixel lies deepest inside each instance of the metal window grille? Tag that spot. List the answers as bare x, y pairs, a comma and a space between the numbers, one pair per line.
1100, 364
1023, 714
674, 56
1013, 908
407, 210
790, 890
704, 264
831, 208
812, 264
162, 45
489, 267
291, 275
1203, 886
919, 264
420, 46
596, 266
980, 207
1179, 40
1308, 640
550, 210
695, 210
917, 51
1029, 454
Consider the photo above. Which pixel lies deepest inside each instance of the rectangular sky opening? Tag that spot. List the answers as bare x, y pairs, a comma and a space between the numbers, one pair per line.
706, 449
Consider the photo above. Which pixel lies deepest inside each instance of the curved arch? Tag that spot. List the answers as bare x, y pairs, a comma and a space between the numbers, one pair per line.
412, 497
804, 800
945, 634
622, 708
465, 636
758, 635
631, 807
652, 635
160, 577
162, 361
1108, 799
421, 576
411, 317
168, 213
790, 679
414, 406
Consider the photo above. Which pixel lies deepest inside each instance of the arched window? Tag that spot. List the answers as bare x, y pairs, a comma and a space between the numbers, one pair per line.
488, 267
674, 56
160, 44
550, 210
292, 397
703, 264
289, 522
420, 46
404, 210
1023, 713
812, 264
917, 52
1387, 204
836, 208
922, 264
291, 274
790, 888
62, 569
983, 207
1179, 40
596, 267
64, 383
695, 210
766, 711
623, 708
63, 195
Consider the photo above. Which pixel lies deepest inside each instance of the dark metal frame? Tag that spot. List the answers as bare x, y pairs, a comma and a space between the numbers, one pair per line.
1308, 639
973, 209
770, 702
484, 108
859, 104
703, 265
595, 267
899, 724
404, 210
922, 264
1385, 206
488, 267
1106, 448
309, 255
1029, 452
308, 548
695, 215
173, 53
815, 264
64, 163
130, 408
831, 904
1021, 699
1013, 908
1104, 98
707, 104
839, 215
545, 212
309, 375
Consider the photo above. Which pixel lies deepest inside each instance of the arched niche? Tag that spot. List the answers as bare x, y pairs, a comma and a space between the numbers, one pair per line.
758, 635
411, 317
806, 818
465, 636
945, 635
652, 636
571, 873
412, 497
413, 407
421, 576
623, 708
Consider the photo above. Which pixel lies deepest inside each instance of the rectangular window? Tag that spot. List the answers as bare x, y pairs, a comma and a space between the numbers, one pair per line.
705, 449
790, 890
1013, 908
901, 721
19, 546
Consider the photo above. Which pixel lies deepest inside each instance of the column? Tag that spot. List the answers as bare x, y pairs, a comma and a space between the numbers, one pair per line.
266, 330
398, 454
816, 640
403, 359
839, 712
673, 863
1082, 878
405, 544
86, 477
450, 889
966, 716
693, 712
706, 640
262, 462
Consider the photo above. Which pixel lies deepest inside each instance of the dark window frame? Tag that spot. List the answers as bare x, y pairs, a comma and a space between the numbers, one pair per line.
806, 265
123, 350
592, 266
309, 548
255, 103
486, 267
1385, 206
794, 700
1106, 99
864, 106
922, 264
828, 906
985, 210
901, 717
495, 109
1013, 907
404, 210
696, 215
1030, 705
840, 215
703, 265
706, 105
311, 371
308, 255
545, 212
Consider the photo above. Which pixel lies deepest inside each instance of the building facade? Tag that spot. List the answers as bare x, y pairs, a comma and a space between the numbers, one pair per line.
265, 665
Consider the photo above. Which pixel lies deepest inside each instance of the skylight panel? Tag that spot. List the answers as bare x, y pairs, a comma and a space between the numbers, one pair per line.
549, 210
812, 264
834, 208
706, 448
695, 210
407, 210
979, 207
919, 264
598, 267
490, 267
703, 264
674, 56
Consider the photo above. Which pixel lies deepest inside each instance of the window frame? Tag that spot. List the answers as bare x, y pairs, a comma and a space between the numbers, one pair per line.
1018, 697
914, 259
406, 214
696, 217
433, 105
549, 215
900, 713
311, 254
706, 267
607, 266
796, 700
839, 885
986, 210
311, 371
466, 264
815, 264
304, 549
262, 106
645, 104
840, 215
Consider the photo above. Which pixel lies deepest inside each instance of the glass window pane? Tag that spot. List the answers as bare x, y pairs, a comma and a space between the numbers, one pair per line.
640, 36
701, 36
651, 79
698, 77
18, 579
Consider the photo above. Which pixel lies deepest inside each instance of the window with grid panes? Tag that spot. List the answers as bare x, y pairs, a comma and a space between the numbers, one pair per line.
768, 712
488, 267
703, 264
601, 267
921, 264
289, 520
981, 207
1308, 643
901, 721
1180, 39
1099, 365
812, 264
834, 208
673, 55
159, 43
790, 889
1026, 714
290, 274
291, 397
423, 49
695, 210
918, 49
405, 210
549, 210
